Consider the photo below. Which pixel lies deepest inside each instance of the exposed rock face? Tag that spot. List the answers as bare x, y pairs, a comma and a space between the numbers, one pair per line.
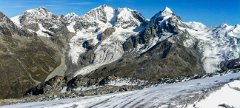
105, 44
128, 18
167, 59
108, 32
230, 64
25, 59
37, 15
104, 29
51, 86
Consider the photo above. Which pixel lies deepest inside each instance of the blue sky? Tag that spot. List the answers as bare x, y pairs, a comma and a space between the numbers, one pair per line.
209, 12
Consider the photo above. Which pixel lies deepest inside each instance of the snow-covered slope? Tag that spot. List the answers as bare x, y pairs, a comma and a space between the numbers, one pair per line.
162, 96
216, 44
16, 20
102, 14
227, 97
70, 17
38, 20
124, 21
38, 13
108, 50
196, 25
161, 16
98, 37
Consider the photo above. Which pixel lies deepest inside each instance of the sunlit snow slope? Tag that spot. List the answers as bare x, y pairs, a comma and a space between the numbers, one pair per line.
228, 96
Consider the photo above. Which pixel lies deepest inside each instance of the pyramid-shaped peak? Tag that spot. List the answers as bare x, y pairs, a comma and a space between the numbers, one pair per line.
164, 16
167, 11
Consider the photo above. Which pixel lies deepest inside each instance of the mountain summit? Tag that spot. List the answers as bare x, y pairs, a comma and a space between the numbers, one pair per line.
116, 17
106, 45
102, 13
167, 11
164, 16
39, 12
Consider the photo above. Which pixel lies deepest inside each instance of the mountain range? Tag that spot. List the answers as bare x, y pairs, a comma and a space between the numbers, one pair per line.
42, 53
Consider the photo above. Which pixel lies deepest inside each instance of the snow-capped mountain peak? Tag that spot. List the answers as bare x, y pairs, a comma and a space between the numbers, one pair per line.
102, 13
32, 15
225, 30
128, 18
216, 44
167, 11
119, 24
39, 9
120, 17
162, 16
38, 20
40, 12
70, 17
224, 25
105, 38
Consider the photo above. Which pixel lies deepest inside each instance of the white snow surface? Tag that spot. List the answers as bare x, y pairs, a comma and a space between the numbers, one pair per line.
196, 25
125, 18
229, 95
102, 13
36, 16
108, 51
32, 15
70, 17
160, 96
71, 27
164, 15
167, 11
39, 13
216, 44
41, 31
16, 20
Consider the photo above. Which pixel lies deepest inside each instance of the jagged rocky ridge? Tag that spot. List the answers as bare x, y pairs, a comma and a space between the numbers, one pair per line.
108, 44
25, 59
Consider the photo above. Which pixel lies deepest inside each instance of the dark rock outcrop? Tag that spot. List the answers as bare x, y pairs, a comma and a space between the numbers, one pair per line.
154, 51
165, 60
230, 64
